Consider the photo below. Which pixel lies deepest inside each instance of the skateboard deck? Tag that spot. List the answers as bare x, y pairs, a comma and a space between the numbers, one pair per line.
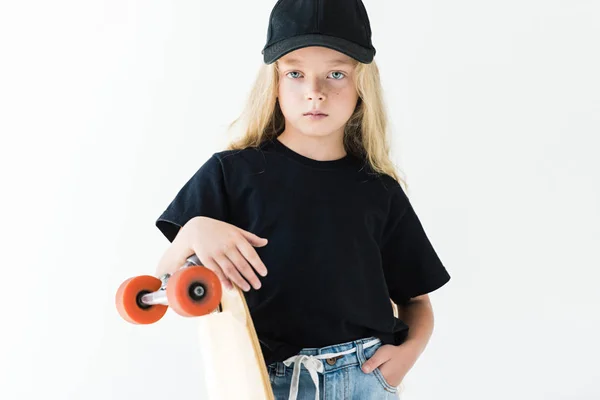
231, 352
234, 366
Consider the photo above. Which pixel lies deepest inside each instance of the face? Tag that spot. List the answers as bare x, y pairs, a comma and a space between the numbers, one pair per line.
316, 78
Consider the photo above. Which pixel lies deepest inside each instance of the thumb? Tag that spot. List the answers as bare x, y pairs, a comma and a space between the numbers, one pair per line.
372, 363
254, 240
173, 258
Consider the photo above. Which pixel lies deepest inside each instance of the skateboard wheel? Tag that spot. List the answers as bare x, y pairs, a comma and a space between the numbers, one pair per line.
128, 300
194, 291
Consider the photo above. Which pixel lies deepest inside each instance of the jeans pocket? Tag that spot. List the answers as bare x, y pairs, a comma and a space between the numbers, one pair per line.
384, 382
368, 353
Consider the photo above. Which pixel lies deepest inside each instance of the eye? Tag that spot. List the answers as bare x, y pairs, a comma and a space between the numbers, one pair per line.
338, 77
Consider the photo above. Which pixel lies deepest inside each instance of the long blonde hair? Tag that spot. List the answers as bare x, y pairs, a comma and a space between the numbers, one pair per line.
365, 133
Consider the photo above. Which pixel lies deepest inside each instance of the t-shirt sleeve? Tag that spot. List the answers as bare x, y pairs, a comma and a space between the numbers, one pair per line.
204, 194
411, 265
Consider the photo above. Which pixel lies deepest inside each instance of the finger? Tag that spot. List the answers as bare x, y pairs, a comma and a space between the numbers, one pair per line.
243, 267
254, 239
250, 254
375, 361
214, 267
231, 271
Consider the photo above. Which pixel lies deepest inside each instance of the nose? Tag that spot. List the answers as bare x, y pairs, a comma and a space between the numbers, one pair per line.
315, 91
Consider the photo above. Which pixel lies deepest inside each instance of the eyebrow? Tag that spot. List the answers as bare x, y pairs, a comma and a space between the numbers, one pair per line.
337, 61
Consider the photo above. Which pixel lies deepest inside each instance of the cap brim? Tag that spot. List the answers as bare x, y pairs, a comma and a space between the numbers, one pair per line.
273, 52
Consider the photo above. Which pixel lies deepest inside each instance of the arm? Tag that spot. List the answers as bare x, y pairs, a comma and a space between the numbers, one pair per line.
418, 315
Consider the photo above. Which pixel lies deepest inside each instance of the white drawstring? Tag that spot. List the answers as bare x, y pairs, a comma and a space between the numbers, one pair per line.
314, 364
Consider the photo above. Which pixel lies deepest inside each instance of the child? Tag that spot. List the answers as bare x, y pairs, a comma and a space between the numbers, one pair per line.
343, 237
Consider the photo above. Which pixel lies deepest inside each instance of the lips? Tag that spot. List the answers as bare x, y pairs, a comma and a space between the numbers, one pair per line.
314, 113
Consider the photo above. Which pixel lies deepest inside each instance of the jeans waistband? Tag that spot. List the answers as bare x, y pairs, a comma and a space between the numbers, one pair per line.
335, 348
280, 367
323, 360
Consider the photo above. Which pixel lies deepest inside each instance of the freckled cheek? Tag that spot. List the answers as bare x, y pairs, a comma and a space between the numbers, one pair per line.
342, 91
345, 97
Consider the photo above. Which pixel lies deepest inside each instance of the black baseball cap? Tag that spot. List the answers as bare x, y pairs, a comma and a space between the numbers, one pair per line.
341, 25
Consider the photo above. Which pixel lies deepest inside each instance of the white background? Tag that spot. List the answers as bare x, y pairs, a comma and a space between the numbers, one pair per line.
108, 107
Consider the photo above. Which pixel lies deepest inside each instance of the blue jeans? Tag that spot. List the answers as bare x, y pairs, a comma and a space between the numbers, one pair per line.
337, 376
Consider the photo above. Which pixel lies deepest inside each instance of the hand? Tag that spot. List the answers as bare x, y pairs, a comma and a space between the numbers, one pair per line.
221, 247
393, 362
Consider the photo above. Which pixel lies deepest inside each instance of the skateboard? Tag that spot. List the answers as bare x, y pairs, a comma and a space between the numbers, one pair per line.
235, 366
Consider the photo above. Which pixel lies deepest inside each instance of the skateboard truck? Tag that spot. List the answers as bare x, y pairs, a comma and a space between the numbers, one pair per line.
191, 291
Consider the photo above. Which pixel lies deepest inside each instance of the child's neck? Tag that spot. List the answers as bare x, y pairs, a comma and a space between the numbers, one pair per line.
319, 148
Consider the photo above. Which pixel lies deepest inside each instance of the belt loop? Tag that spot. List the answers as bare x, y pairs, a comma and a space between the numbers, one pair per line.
360, 352
280, 369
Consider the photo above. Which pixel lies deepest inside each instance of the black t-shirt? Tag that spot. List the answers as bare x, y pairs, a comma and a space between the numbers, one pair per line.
342, 242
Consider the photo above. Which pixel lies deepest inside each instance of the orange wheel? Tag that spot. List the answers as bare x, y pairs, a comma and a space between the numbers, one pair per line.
128, 300
194, 291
